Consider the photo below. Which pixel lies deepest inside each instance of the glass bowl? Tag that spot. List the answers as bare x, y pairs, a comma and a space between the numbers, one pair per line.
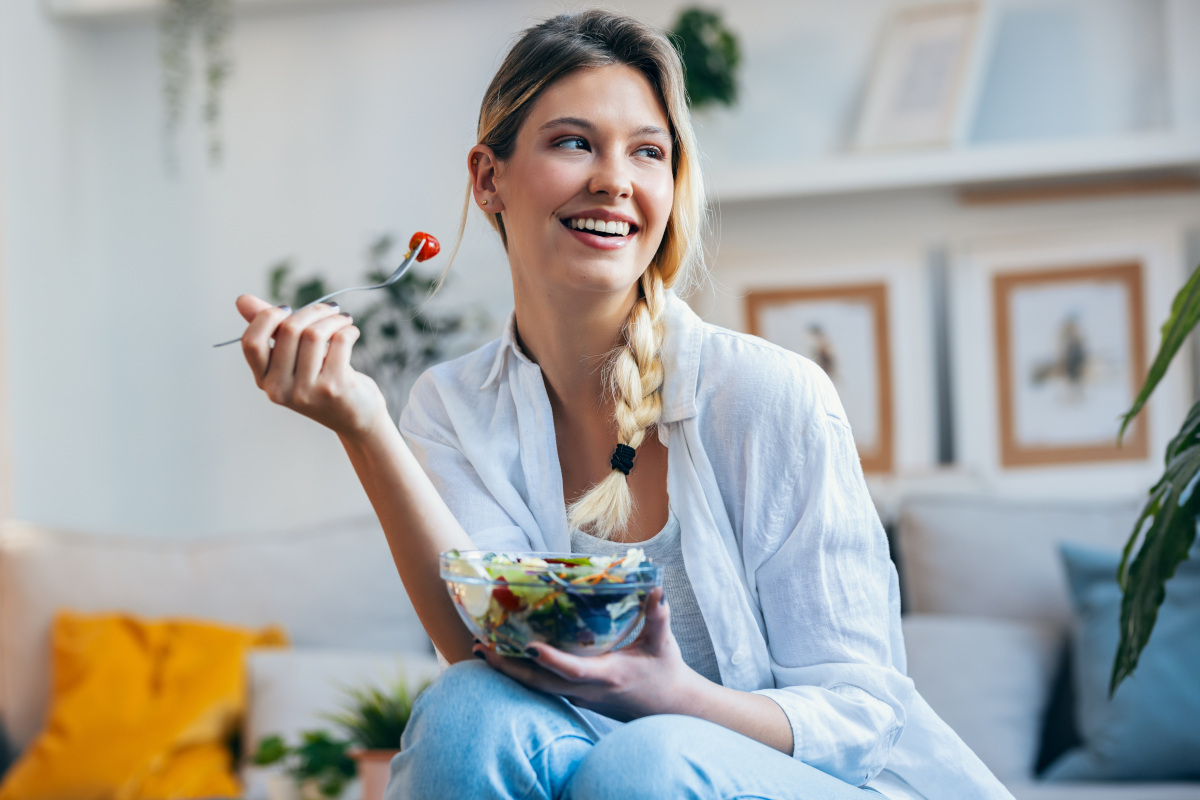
581, 604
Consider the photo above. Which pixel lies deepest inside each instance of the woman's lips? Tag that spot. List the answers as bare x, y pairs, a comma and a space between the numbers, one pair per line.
601, 242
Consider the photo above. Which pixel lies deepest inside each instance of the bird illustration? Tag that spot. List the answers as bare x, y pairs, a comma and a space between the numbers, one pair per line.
1071, 361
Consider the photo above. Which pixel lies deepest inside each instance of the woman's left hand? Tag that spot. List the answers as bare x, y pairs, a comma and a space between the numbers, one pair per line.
649, 676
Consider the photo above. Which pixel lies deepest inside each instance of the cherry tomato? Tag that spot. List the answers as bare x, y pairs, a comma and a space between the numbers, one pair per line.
505, 597
431, 248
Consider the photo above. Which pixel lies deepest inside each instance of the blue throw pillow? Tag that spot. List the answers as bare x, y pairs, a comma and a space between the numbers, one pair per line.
1150, 730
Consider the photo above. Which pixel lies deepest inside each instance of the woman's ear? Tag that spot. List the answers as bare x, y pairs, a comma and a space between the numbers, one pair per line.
482, 163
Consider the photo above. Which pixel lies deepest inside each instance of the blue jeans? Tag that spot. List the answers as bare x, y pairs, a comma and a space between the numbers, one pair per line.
476, 733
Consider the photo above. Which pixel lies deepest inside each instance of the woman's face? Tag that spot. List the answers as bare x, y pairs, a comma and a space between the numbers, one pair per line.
594, 154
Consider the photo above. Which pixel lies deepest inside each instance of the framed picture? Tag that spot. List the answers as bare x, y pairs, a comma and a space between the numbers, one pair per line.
1070, 358
1051, 334
919, 77
844, 329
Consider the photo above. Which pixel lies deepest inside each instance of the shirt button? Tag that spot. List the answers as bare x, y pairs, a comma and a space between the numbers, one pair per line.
738, 658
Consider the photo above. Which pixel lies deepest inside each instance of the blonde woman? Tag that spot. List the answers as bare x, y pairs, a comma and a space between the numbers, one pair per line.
608, 414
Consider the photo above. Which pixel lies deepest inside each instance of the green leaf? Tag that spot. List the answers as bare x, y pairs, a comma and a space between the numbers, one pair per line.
309, 291
276, 278
321, 755
270, 750
1185, 313
1169, 522
375, 718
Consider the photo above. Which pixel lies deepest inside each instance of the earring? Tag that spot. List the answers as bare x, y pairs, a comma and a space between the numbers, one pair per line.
483, 203
474, 160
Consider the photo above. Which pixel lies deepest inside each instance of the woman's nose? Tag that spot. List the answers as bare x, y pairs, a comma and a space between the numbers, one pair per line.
611, 176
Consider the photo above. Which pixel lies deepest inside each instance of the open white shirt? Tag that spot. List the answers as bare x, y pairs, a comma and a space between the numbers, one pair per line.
785, 552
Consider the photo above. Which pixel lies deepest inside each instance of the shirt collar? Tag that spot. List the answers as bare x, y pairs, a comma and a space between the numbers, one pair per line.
680, 355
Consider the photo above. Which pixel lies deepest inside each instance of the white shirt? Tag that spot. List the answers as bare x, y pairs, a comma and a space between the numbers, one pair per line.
786, 554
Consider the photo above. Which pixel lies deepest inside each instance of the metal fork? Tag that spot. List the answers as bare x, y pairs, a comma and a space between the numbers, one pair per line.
395, 276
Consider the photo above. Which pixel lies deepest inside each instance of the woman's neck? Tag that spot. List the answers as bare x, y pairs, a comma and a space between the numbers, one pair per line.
570, 339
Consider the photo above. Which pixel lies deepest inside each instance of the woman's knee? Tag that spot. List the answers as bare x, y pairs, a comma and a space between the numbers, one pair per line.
464, 700
640, 759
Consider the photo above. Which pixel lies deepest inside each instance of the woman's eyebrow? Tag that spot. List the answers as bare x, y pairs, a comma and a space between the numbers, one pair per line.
645, 130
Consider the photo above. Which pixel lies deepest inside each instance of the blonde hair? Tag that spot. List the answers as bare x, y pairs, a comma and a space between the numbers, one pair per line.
544, 54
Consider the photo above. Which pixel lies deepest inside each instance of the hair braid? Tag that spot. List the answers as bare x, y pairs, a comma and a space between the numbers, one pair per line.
636, 378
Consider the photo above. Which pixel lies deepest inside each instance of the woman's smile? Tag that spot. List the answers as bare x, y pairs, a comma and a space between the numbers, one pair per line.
601, 229
587, 193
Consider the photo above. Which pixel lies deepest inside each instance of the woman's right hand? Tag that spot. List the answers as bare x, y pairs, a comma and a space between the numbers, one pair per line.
308, 369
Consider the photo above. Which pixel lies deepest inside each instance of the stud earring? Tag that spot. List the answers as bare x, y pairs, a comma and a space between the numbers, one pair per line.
474, 160
483, 203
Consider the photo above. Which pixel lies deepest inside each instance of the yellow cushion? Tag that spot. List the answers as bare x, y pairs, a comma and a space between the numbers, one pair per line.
138, 709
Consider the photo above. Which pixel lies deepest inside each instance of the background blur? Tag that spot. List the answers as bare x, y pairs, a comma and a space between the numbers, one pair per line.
344, 120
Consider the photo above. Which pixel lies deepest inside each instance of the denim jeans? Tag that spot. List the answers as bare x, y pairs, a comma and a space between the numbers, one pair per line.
475, 733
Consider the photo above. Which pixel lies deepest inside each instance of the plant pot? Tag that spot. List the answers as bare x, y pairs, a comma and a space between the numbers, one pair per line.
374, 769
281, 786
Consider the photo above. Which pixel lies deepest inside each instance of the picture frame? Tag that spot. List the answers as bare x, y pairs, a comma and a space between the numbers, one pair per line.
844, 329
1070, 358
922, 78
1054, 269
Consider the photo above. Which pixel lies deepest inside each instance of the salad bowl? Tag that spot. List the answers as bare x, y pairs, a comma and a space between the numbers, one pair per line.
581, 604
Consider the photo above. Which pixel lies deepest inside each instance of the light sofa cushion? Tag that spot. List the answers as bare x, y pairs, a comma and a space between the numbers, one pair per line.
989, 680
1149, 729
290, 690
140, 709
999, 558
330, 585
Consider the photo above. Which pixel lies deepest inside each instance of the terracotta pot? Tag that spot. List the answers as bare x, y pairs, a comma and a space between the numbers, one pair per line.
374, 768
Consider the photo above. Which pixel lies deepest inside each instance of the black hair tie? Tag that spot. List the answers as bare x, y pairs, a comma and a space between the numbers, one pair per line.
622, 458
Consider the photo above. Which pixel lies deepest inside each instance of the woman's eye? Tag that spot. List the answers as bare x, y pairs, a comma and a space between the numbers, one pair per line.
572, 143
651, 152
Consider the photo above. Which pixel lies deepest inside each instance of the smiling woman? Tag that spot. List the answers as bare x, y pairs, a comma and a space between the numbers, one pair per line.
770, 663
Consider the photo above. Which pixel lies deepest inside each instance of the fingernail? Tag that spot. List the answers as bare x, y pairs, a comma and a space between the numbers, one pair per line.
532, 652
345, 314
284, 306
662, 599
479, 654
332, 304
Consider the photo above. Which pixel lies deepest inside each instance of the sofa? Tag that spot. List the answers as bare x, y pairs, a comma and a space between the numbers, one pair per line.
332, 587
985, 600
987, 617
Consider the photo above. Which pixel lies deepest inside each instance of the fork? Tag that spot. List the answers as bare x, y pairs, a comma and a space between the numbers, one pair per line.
409, 260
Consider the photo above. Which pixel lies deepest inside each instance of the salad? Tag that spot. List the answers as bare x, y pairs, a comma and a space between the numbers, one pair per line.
581, 604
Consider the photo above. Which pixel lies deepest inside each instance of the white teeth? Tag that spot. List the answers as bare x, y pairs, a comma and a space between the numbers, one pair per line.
620, 228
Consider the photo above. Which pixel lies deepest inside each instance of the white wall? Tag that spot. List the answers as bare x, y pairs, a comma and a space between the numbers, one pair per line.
341, 122
6, 471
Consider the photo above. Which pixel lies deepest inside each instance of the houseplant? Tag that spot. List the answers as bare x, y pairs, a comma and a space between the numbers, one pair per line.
180, 23
399, 336
1166, 527
710, 55
318, 767
373, 721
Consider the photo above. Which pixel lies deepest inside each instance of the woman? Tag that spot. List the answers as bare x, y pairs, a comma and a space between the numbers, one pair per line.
609, 414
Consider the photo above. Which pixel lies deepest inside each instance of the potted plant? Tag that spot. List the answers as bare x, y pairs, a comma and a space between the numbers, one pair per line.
373, 721
317, 768
1165, 531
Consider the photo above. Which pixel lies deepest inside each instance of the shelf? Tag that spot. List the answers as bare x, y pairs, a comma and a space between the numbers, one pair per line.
859, 173
84, 10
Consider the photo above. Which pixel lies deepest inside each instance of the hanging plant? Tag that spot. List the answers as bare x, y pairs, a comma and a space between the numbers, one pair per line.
710, 55
184, 25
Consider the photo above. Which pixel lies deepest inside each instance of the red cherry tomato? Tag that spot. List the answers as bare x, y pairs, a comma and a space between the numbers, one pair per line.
431, 248
505, 597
